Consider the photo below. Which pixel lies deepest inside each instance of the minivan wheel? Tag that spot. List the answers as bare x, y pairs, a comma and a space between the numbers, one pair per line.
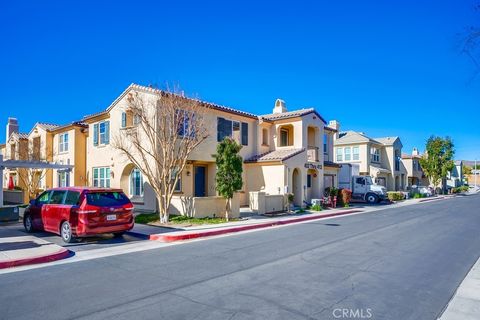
27, 223
372, 198
66, 232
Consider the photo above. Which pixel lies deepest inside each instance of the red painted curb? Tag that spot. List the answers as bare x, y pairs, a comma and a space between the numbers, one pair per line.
201, 234
61, 254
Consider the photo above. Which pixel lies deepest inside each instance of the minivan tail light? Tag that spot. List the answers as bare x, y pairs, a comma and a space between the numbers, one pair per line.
87, 211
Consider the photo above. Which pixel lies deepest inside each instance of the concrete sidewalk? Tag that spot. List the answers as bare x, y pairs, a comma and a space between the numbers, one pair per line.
465, 305
19, 251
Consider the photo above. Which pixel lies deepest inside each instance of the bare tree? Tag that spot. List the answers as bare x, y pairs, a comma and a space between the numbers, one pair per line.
470, 45
31, 178
163, 127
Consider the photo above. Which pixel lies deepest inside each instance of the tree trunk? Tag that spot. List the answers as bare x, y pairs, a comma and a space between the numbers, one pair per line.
227, 209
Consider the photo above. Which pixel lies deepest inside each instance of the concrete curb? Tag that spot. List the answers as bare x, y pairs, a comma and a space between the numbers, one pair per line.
187, 235
58, 255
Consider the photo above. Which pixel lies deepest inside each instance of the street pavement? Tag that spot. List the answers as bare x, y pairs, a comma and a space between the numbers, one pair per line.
398, 263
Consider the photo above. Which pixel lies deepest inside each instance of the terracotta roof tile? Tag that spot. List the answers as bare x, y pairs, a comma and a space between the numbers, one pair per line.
276, 155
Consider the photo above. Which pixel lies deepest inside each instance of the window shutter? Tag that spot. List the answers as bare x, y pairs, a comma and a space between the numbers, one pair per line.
95, 134
107, 132
124, 119
244, 134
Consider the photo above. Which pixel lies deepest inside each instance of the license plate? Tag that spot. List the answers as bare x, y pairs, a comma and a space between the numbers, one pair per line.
111, 217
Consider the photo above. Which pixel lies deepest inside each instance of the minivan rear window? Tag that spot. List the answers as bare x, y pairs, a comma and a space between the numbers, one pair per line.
108, 198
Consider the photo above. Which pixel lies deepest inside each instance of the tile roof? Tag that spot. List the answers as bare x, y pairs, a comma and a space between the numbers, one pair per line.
354, 137
47, 126
74, 123
158, 91
387, 140
327, 163
291, 114
20, 135
276, 155
410, 156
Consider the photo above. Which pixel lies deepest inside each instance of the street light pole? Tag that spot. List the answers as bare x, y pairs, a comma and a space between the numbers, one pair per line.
475, 176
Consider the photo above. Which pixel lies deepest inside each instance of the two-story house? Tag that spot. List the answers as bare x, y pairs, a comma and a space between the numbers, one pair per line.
283, 152
415, 174
379, 158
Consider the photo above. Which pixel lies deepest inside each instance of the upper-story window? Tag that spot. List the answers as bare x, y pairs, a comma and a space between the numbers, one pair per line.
265, 137
375, 154
356, 153
348, 155
234, 129
63, 142
286, 136
325, 143
101, 133
397, 160
339, 154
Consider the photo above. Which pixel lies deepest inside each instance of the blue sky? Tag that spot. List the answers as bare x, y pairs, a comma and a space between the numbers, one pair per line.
380, 67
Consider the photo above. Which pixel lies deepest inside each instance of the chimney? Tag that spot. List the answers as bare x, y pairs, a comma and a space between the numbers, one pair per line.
415, 152
334, 124
280, 106
12, 126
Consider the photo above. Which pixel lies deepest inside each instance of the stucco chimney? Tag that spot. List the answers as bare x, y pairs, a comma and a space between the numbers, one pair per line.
12, 126
280, 106
334, 124
415, 152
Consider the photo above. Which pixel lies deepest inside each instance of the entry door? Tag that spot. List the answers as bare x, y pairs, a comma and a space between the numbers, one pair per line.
200, 182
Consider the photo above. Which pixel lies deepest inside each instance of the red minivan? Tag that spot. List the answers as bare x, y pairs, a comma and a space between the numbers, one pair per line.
80, 211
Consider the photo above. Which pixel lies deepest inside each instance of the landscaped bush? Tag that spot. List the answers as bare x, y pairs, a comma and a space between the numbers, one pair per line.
395, 195
316, 207
418, 196
460, 189
345, 196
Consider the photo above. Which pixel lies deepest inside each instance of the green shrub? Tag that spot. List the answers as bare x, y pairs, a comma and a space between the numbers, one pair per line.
316, 207
395, 195
418, 196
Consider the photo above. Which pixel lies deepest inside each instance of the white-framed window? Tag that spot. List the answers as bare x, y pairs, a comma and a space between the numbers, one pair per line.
375, 154
101, 177
178, 186
348, 155
356, 153
63, 142
339, 154
265, 137
101, 133
63, 179
136, 183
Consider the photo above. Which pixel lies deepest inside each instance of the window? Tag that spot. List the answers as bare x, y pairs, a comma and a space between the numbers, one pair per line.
325, 143
375, 154
101, 133
178, 186
124, 119
136, 119
234, 129
106, 199
339, 153
63, 142
397, 160
63, 179
57, 197
265, 137
136, 183
309, 180
347, 154
101, 177
44, 198
284, 137
360, 181
356, 153
72, 198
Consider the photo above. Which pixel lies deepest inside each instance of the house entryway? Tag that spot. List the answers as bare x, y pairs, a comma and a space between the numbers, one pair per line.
200, 181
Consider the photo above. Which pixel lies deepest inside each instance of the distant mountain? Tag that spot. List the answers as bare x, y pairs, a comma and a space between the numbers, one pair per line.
470, 163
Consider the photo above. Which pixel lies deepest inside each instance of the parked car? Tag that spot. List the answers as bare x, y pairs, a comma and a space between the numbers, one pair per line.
80, 211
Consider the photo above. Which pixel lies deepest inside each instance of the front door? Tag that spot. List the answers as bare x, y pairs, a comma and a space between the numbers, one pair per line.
200, 182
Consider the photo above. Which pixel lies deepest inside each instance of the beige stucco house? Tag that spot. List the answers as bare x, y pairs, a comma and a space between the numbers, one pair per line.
379, 158
284, 152
415, 174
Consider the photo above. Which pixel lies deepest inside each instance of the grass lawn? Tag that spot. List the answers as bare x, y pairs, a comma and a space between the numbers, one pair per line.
153, 218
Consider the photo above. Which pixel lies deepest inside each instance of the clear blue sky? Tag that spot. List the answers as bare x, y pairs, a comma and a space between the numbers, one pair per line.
376, 67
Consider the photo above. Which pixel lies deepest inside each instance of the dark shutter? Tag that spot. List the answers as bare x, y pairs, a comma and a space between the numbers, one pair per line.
107, 132
244, 134
95, 134
124, 119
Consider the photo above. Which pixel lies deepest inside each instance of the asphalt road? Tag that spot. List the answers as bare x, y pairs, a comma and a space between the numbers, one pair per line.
402, 263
